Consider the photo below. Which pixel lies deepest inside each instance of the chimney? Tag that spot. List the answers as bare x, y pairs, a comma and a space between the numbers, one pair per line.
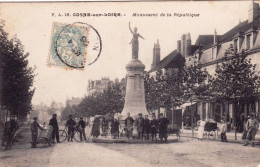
183, 45
153, 64
179, 46
156, 54
187, 45
215, 37
253, 11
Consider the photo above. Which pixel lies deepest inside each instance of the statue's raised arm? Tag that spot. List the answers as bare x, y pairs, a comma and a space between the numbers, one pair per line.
130, 28
141, 36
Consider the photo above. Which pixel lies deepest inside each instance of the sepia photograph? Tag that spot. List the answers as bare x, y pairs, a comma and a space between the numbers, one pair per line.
122, 84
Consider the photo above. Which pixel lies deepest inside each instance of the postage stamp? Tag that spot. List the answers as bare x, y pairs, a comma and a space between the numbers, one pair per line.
74, 46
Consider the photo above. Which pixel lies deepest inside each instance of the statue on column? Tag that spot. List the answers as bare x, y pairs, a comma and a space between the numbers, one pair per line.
134, 42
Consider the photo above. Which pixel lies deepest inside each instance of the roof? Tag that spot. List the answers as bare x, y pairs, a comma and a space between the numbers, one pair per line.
173, 60
204, 40
242, 27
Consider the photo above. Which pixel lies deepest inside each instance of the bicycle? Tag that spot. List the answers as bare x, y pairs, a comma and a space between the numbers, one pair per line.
63, 134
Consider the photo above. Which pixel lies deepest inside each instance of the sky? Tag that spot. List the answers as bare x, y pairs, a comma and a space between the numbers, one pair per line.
32, 24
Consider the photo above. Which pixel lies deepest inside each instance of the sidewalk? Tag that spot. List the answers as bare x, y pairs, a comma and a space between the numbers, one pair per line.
230, 136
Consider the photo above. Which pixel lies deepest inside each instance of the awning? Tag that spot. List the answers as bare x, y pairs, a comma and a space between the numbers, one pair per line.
184, 105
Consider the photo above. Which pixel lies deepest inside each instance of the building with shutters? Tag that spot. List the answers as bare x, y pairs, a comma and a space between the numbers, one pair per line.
208, 50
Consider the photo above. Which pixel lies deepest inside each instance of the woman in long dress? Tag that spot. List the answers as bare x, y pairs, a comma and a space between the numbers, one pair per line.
135, 132
96, 127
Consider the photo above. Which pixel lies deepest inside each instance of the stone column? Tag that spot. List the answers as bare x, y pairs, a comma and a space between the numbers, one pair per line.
135, 95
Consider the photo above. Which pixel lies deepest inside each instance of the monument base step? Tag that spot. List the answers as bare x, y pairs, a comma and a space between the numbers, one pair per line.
130, 141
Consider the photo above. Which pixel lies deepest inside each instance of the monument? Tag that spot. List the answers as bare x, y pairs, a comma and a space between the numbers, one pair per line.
135, 95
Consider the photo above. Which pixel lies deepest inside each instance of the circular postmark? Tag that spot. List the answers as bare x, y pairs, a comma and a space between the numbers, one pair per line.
77, 45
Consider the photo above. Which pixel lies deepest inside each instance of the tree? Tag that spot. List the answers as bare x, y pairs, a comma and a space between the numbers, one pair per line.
196, 82
115, 99
155, 94
111, 100
16, 76
66, 112
150, 93
196, 86
235, 81
164, 90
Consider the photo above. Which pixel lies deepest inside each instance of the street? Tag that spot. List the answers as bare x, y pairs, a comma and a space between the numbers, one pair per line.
187, 152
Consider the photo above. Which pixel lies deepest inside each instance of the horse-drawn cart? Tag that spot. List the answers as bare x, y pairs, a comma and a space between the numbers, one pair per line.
210, 130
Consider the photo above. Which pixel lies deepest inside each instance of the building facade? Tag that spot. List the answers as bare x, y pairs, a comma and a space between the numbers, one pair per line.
97, 87
209, 50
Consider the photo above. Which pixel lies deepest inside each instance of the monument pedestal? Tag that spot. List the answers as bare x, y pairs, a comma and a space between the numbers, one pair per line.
135, 95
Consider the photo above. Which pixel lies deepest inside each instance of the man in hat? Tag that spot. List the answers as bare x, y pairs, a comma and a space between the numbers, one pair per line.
140, 126
251, 127
34, 129
146, 127
82, 125
163, 126
129, 121
71, 126
9, 130
154, 127
55, 131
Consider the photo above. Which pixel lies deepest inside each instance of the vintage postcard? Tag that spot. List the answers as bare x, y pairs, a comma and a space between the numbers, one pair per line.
122, 84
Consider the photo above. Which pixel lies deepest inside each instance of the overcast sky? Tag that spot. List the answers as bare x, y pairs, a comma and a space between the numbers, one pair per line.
32, 22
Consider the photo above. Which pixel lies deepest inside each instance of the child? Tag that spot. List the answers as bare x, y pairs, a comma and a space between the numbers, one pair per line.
135, 132
223, 130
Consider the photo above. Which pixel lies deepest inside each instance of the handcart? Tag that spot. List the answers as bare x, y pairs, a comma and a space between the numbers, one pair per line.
45, 136
210, 130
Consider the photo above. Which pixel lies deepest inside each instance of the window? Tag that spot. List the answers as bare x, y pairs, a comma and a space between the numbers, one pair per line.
235, 45
248, 41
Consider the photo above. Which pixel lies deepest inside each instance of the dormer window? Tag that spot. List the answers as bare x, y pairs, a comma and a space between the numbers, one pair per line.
248, 41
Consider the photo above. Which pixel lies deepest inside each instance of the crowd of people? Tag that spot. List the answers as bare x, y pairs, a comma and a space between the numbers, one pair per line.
142, 128
70, 124
134, 127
